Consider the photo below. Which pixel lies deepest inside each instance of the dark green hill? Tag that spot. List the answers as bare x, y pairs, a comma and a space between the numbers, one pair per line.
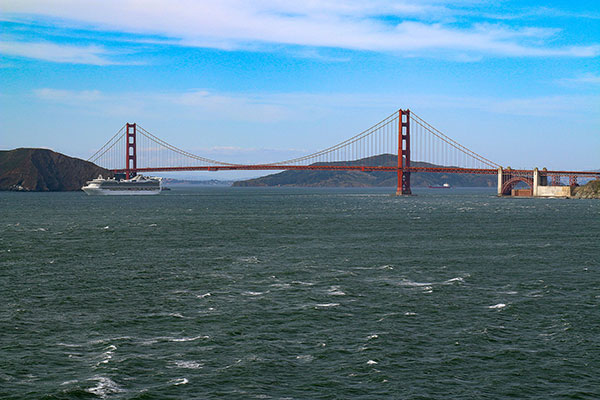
368, 179
42, 170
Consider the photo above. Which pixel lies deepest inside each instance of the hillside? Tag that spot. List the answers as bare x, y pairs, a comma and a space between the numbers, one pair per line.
42, 170
367, 179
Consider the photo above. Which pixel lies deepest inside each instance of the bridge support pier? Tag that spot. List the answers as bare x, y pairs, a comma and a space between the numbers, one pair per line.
500, 180
536, 182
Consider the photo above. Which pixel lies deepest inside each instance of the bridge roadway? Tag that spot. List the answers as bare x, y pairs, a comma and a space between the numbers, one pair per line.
273, 167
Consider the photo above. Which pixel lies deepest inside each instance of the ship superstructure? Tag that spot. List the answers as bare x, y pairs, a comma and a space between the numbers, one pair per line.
138, 185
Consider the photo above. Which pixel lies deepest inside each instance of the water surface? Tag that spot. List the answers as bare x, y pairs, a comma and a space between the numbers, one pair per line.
300, 294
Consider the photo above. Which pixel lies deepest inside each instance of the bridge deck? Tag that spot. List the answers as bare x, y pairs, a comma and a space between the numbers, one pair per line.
272, 167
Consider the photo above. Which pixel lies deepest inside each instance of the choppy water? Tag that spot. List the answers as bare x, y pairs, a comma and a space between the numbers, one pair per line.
298, 294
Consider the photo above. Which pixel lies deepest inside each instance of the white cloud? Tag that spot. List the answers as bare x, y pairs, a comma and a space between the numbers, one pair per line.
381, 25
61, 53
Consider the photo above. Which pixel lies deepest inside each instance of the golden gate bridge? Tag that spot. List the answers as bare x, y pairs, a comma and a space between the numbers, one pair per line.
403, 143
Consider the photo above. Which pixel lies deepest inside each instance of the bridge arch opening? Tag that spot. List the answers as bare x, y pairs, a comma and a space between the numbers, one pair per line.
510, 184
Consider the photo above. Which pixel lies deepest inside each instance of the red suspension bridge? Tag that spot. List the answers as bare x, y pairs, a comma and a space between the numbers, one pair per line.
407, 143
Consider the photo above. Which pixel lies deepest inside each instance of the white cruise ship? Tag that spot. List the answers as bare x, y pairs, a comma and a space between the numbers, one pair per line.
115, 187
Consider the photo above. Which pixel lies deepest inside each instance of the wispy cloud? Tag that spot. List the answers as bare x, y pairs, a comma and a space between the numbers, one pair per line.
381, 25
583, 79
199, 103
248, 154
543, 12
244, 107
541, 106
269, 108
60, 53
69, 96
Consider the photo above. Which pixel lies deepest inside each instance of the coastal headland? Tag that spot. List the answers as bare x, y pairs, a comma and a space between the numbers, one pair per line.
43, 170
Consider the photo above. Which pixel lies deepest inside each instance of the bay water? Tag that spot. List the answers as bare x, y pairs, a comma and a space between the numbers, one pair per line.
296, 293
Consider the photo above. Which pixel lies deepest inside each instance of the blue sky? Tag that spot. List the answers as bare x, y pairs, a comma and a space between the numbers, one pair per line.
259, 81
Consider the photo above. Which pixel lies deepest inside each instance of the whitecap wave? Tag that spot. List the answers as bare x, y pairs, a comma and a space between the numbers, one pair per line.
106, 340
104, 387
335, 291
179, 381
457, 279
151, 341
165, 314
305, 357
281, 285
250, 293
187, 364
68, 344
409, 283
303, 283
325, 305
107, 355
187, 339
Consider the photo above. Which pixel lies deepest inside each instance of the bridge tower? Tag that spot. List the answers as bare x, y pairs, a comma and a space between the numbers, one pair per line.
130, 151
403, 186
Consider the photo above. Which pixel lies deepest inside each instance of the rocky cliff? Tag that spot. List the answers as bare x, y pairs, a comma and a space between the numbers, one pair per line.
591, 190
42, 170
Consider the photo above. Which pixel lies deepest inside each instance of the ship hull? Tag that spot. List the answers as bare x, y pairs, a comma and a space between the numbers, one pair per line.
105, 192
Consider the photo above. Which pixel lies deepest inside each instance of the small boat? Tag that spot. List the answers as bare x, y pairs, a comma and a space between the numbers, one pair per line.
444, 186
